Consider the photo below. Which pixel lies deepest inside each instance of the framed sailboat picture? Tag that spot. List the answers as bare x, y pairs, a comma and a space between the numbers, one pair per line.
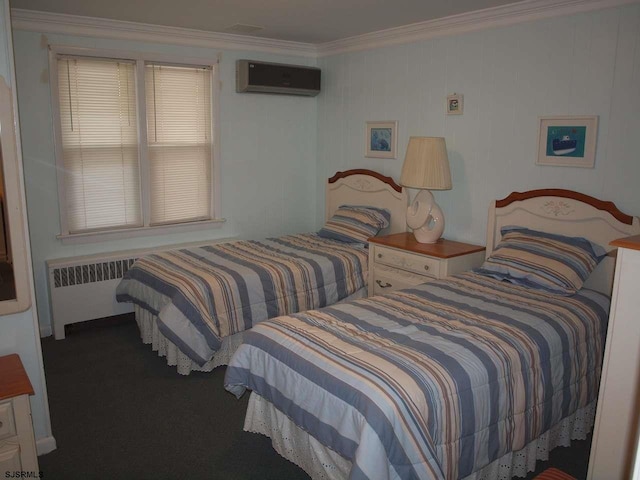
567, 141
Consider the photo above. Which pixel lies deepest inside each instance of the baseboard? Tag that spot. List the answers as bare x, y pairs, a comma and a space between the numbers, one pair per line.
45, 445
45, 331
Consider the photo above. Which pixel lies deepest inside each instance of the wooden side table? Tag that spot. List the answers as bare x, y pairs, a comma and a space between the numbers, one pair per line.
17, 442
397, 261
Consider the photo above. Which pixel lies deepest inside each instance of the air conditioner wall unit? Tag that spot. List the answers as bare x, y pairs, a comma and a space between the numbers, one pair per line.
263, 77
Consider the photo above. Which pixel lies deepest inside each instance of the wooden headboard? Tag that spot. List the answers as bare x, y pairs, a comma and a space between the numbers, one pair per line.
569, 213
366, 187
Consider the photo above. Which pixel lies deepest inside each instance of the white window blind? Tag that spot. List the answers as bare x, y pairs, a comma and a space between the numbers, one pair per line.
99, 143
179, 141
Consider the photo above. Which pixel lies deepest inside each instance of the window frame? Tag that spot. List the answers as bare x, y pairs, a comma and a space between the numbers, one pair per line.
140, 59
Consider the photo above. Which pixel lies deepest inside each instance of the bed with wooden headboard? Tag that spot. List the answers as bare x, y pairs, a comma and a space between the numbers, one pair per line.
366, 187
353, 187
569, 213
466, 377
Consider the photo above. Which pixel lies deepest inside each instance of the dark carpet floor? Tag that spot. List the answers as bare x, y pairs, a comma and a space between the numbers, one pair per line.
119, 412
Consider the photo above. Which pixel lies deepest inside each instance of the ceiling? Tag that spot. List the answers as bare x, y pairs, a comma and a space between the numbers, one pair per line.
308, 21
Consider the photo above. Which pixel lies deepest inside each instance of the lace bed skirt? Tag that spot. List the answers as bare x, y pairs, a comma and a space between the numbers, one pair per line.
148, 325
320, 462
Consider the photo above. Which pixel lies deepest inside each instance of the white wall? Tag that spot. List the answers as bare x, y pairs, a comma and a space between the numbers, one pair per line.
18, 333
267, 162
584, 64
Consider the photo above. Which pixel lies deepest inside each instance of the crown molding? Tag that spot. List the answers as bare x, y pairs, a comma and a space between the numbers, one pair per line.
526, 11
47, 22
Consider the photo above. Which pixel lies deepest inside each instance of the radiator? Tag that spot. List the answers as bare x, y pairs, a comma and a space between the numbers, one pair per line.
83, 288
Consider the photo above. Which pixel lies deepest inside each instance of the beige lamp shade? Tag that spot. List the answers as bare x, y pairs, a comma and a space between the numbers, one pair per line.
426, 165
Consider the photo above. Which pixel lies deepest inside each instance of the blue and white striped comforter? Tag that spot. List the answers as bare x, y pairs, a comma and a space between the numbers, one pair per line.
201, 295
435, 381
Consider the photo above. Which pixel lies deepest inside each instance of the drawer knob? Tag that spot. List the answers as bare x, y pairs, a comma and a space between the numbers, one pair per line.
426, 267
379, 255
1, 424
386, 284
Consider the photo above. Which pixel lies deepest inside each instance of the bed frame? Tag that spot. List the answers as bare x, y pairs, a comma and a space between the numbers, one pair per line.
351, 187
565, 212
366, 187
551, 210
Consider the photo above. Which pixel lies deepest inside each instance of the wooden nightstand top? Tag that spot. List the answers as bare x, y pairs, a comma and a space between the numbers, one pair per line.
443, 248
632, 243
13, 378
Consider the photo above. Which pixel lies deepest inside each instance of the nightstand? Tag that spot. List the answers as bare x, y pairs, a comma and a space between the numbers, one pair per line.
17, 443
398, 261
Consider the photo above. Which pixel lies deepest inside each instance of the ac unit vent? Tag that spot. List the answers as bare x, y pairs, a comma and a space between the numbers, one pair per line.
264, 77
91, 272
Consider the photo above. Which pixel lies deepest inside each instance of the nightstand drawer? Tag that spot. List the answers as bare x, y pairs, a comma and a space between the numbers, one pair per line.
7, 425
419, 264
389, 279
10, 459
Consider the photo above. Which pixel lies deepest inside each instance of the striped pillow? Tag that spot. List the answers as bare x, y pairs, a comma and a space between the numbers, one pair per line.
355, 224
546, 261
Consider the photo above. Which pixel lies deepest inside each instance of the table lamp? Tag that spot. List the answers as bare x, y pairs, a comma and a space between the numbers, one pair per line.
426, 167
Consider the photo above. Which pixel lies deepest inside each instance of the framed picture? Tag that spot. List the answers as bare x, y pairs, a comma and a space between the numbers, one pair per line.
568, 141
455, 104
381, 139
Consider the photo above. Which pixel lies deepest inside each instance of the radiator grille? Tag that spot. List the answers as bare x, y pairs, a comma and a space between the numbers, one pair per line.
91, 272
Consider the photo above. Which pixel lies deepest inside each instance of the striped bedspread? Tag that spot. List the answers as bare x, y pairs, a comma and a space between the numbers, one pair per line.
201, 295
436, 381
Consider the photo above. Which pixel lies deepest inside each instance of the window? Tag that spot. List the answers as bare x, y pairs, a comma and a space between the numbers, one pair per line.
179, 139
99, 143
135, 144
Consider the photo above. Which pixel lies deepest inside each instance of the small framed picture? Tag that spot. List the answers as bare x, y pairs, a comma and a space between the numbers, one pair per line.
567, 141
455, 104
381, 139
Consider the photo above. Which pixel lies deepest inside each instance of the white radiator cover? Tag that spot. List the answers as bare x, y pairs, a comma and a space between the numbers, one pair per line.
83, 288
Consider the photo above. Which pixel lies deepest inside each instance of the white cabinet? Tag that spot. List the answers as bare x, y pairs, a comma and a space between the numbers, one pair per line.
615, 430
397, 261
17, 442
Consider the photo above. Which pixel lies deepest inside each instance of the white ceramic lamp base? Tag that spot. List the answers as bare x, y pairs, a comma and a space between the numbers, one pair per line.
425, 217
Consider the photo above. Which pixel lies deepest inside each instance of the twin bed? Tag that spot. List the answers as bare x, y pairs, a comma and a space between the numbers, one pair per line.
474, 376
194, 305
